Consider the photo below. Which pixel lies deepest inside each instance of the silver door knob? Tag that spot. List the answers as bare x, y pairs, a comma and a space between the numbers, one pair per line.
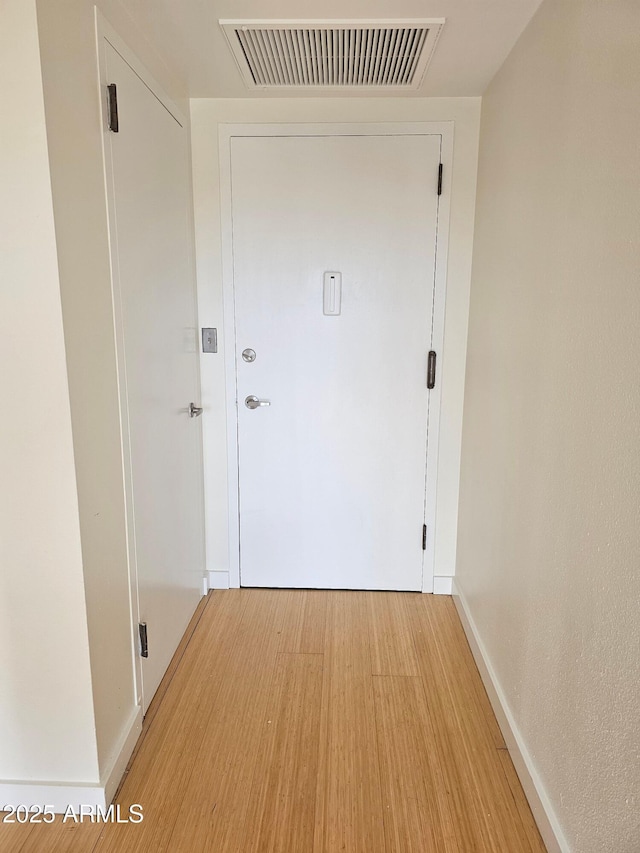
254, 403
194, 410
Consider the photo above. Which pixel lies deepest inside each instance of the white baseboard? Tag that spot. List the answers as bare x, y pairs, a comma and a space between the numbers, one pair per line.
534, 790
442, 585
55, 795
218, 580
205, 585
60, 795
115, 771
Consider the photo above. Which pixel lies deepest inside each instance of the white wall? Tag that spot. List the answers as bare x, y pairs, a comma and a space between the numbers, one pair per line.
46, 706
67, 697
549, 523
206, 115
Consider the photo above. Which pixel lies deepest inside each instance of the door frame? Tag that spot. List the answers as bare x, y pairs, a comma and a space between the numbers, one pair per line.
105, 33
226, 133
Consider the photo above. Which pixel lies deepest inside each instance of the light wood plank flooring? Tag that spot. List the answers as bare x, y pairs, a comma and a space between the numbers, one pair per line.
314, 722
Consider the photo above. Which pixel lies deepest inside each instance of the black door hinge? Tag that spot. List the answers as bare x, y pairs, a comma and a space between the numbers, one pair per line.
424, 537
144, 642
112, 96
440, 179
431, 370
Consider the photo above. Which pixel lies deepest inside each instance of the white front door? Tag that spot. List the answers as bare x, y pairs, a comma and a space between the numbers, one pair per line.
154, 288
334, 241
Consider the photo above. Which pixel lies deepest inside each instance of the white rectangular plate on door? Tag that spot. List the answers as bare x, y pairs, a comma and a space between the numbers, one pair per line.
332, 294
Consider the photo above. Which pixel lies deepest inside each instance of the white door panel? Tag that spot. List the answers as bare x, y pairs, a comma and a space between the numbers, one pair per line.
158, 361
332, 473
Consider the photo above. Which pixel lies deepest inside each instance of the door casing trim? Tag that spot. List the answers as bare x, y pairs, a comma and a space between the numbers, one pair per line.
226, 133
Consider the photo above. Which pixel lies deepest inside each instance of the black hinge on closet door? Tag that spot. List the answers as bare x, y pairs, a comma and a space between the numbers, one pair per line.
144, 640
112, 96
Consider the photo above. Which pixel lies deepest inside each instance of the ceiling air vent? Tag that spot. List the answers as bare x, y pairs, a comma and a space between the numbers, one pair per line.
333, 54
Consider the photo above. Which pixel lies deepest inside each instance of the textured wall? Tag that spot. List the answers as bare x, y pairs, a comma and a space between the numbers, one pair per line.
548, 549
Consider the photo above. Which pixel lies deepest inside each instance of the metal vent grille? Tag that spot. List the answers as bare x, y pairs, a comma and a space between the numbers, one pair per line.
330, 54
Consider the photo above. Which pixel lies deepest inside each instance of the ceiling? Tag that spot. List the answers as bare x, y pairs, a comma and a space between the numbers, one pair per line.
476, 39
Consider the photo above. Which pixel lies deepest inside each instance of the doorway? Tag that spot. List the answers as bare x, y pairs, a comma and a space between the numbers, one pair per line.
148, 182
333, 241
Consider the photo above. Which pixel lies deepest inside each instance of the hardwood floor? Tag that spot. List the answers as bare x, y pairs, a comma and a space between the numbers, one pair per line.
314, 722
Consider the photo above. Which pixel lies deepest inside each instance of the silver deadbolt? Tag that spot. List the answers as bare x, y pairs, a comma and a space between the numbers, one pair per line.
194, 411
248, 355
254, 403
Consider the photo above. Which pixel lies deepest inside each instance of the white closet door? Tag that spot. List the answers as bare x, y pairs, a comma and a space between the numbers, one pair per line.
156, 316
